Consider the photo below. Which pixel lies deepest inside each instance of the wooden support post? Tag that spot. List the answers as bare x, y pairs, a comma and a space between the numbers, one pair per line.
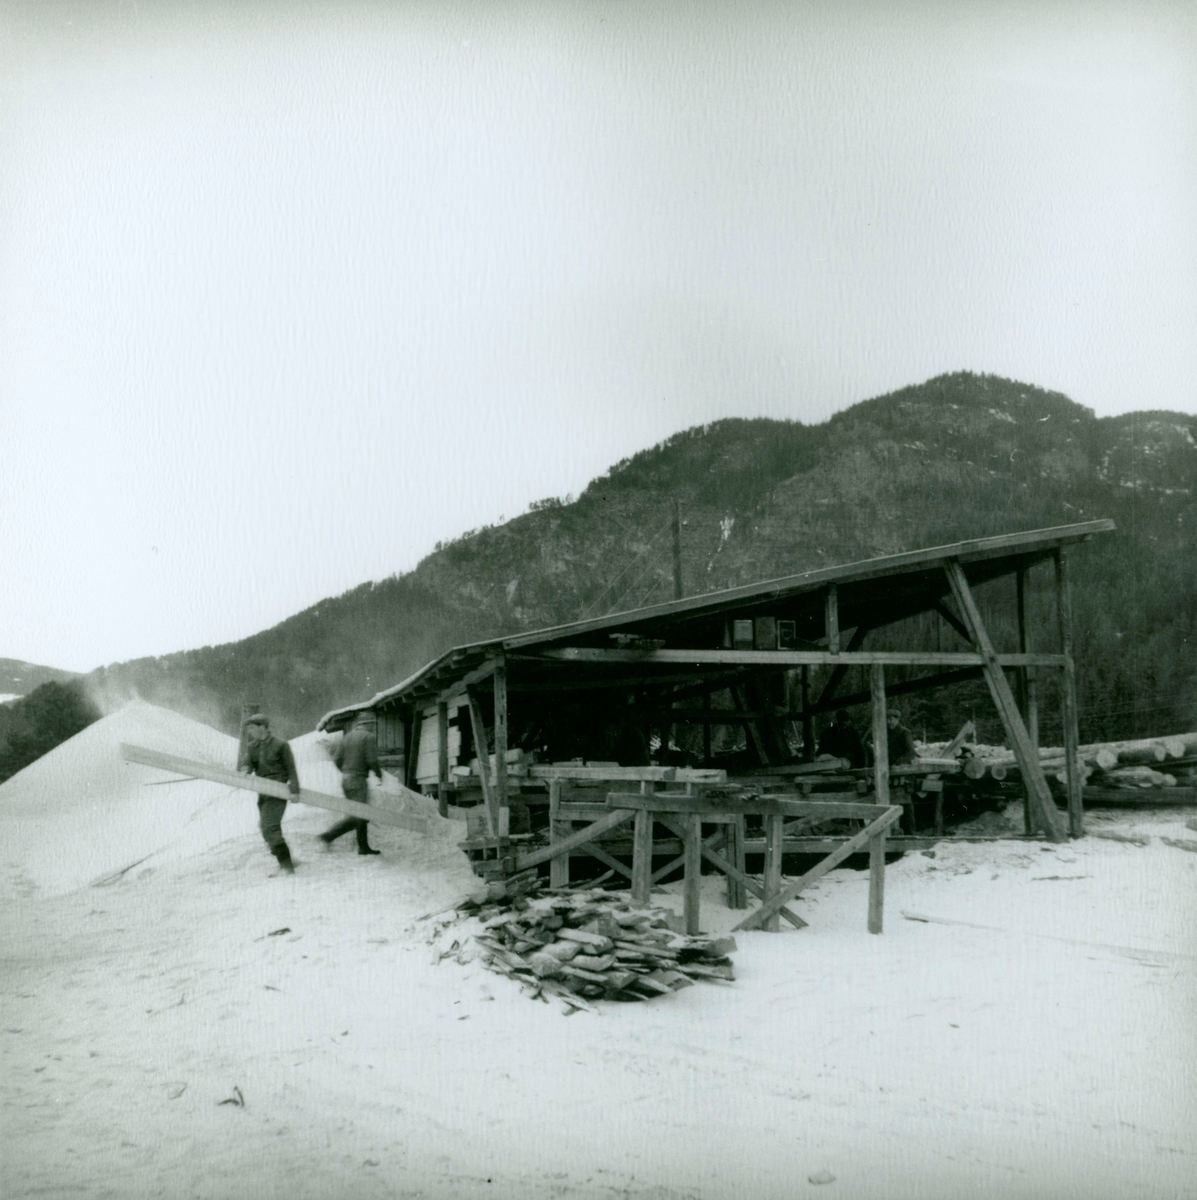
808, 722
774, 837
500, 680
558, 831
706, 729
1043, 806
1072, 767
837, 673
642, 855
750, 726
877, 882
1027, 698
442, 758
693, 878
482, 751
939, 814
832, 618
880, 734
737, 897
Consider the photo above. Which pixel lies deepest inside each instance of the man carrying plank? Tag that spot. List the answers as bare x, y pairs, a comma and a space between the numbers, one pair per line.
356, 757
271, 758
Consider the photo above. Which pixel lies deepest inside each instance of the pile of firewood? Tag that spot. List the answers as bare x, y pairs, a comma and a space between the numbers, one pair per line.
591, 945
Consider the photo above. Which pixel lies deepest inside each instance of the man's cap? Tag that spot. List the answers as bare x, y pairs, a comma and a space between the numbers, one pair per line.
258, 719
365, 718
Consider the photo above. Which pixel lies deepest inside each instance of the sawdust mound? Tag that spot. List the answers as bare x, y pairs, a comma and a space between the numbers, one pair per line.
81, 812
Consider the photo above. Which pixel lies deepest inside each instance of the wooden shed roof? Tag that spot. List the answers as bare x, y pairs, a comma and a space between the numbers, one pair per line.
873, 593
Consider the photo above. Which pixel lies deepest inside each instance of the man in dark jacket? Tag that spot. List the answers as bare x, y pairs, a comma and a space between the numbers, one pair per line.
899, 740
356, 756
842, 741
271, 758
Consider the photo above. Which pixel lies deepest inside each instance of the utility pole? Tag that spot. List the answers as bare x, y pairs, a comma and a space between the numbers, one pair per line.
677, 550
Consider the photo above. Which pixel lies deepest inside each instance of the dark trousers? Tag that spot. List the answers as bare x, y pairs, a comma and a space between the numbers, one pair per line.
354, 789
270, 820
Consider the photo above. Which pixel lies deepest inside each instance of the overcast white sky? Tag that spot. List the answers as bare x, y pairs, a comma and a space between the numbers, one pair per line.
288, 293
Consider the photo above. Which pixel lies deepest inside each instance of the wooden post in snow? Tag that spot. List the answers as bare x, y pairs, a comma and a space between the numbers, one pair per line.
1072, 767
558, 831
1027, 698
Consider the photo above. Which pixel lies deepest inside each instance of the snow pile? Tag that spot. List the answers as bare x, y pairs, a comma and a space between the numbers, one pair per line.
81, 813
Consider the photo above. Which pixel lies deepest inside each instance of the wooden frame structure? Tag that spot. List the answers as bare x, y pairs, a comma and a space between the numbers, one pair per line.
658, 668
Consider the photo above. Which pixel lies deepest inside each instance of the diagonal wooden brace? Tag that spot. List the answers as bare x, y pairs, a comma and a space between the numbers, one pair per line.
1042, 805
850, 847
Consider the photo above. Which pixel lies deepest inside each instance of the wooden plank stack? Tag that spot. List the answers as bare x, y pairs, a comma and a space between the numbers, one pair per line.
592, 945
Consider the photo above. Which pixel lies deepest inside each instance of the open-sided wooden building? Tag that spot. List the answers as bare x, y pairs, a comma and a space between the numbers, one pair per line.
653, 693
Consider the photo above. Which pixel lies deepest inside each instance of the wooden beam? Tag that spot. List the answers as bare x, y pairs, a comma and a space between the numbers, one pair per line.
692, 895
951, 618
831, 618
442, 758
1026, 754
524, 861
482, 752
559, 830
745, 882
880, 734
459, 687
750, 727
725, 808
379, 812
1074, 781
777, 659
568, 771
605, 858
774, 837
808, 723
500, 678
846, 850
922, 684
1027, 699
839, 671
642, 858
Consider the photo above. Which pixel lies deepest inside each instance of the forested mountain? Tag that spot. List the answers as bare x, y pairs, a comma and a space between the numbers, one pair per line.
957, 457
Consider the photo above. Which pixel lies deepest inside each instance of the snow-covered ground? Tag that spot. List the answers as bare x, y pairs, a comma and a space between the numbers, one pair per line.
1040, 1045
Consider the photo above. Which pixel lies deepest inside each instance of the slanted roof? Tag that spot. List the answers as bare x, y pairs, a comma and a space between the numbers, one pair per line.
873, 593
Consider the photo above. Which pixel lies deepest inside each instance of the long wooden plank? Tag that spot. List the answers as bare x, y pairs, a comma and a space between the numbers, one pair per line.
807, 768
728, 806
569, 772
877, 883
442, 758
616, 818
559, 830
272, 787
846, 850
999, 688
793, 658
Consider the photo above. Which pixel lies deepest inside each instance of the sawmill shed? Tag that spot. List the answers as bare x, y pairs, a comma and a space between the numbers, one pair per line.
663, 685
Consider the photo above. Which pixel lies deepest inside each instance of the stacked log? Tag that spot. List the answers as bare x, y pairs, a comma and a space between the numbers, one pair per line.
593, 945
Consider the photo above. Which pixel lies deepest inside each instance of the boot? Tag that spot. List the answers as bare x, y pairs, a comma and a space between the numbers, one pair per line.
363, 845
283, 854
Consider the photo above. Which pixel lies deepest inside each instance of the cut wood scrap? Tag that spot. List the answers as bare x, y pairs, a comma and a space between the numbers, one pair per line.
592, 962
378, 810
703, 971
1181, 843
603, 944
572, 972
953, 747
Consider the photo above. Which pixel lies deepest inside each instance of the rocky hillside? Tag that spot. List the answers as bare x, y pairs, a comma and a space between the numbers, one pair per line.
959, 456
